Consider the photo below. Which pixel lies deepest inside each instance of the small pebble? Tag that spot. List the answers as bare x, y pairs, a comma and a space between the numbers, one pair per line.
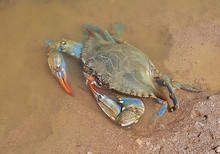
139, 142
210, 97
217, 149
195, 113
89, 152
120, 147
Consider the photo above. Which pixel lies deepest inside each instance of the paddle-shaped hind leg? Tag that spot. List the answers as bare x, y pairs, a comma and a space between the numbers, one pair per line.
162, 109
116, 32
187, 87
171, 85
165, 81
100, 30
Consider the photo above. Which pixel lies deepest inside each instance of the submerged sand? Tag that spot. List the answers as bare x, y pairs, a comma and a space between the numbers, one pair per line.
37, 116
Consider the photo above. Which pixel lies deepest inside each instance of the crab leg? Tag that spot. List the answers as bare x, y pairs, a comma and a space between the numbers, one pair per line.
165, 81
56, 61
118, 28
171, 85
116, 31
179, 85
162, 109
125, 111
101, 30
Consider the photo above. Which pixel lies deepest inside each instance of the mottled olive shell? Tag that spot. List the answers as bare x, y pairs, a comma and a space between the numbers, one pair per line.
121, 66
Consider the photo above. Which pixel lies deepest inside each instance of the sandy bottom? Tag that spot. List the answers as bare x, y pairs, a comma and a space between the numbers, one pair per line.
36, 116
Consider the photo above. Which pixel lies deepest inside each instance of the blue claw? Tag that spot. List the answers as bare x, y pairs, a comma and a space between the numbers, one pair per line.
125, 112
132, 110
109, 106
132, 103
56, 61
58, 68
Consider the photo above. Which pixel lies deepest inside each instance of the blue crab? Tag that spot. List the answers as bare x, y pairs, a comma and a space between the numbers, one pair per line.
109, 63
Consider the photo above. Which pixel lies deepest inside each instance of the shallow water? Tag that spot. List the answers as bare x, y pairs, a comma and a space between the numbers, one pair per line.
181, 38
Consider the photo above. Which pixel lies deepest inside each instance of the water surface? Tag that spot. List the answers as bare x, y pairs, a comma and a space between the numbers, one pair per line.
181, 38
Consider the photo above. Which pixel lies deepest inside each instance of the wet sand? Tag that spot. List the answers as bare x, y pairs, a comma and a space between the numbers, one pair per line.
37, 116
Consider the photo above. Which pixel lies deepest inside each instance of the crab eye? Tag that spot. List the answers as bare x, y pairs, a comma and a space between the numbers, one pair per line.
62, 45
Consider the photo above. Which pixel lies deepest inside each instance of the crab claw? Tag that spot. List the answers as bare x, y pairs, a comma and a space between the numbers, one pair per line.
58, 68
125, 111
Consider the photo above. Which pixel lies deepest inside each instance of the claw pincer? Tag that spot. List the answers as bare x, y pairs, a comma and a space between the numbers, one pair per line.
125, 111
58, 67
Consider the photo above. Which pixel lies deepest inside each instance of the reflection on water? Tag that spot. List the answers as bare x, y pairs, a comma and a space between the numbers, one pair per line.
181, 38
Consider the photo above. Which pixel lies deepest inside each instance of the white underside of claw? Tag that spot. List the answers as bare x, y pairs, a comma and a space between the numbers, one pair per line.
109, 106
127, 124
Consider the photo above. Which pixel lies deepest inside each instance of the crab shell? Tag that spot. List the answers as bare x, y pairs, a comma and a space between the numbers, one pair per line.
120, 67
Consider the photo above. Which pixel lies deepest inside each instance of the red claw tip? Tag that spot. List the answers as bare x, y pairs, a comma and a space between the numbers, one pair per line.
65, 86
